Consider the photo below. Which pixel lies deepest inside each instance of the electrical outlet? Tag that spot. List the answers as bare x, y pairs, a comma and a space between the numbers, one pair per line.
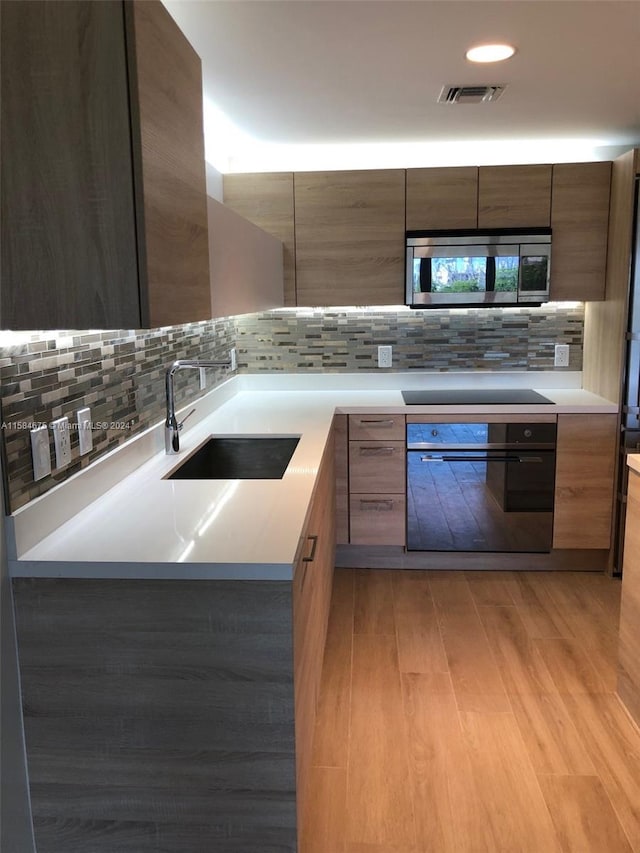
61, 441
203, 378
385, 356
561, 356
40, 452
85, 436
233, 355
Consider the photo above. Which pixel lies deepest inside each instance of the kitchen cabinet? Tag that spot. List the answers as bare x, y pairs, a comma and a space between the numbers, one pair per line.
628, 658
442, 198
585, 465
312, 584
245, 264
104, 218
514, 196
377, 491
579, 220
349, 231
267, 201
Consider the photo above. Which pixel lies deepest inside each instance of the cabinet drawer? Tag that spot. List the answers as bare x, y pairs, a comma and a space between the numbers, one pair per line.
377, 519
377, 466
374, 427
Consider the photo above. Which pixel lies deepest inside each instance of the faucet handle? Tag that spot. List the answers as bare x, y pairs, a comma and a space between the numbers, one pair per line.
181, 424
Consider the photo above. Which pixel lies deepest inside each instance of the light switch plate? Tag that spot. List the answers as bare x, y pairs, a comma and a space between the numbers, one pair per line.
561, 355
61, 441
85, 436
40, 452
385, 356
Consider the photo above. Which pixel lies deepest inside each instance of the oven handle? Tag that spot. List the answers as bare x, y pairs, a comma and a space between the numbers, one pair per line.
503, 459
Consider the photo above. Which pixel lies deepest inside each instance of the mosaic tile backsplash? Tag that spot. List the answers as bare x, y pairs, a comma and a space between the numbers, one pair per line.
120, 374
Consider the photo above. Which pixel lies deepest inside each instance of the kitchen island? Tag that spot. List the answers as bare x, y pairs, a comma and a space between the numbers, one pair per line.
171, 632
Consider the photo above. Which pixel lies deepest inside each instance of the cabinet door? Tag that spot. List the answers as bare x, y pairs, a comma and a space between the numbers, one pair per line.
579, 219
584, 481
68, 224
350, 237
442, 198
514, 196
312, 584
171, 193
267, 201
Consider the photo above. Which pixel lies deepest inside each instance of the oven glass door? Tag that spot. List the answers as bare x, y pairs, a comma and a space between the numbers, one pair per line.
480, 500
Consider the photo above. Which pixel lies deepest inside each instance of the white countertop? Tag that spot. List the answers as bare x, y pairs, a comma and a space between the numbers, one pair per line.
123, 520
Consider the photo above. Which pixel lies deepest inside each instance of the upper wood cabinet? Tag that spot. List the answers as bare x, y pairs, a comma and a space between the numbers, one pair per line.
579, 220
267, 201
350, 237
442, 198
104, 220
514, 196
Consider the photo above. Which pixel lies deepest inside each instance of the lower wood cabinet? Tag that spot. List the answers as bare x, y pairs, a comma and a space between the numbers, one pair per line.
175, 715
628, 658
377, 480
312, 584
585, 467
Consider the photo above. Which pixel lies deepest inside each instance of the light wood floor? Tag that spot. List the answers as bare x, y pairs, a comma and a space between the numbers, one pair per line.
466, 711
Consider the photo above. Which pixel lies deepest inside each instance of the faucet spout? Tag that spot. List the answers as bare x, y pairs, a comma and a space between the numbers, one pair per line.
172, 427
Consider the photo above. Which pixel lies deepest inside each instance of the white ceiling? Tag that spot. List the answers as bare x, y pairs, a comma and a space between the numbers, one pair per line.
358, 80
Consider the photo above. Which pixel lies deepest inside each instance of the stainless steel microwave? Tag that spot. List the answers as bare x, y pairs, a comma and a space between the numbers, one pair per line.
473, 268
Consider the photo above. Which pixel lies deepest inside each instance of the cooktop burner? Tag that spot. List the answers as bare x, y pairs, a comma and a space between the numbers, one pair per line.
474, 396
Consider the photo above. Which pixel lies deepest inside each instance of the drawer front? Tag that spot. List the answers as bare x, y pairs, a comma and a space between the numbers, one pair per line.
377, 519
377, 466
374, 427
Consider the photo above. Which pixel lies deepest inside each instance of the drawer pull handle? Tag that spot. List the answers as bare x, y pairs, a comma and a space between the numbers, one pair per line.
312, 555
376, 505
377, 451
376, 422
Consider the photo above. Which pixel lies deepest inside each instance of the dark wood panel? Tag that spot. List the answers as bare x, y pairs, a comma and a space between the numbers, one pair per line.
628, 659
153, 707
166, 85
68, 227
266, 199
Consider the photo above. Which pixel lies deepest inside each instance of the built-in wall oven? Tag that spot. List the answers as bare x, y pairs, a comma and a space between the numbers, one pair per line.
480, 486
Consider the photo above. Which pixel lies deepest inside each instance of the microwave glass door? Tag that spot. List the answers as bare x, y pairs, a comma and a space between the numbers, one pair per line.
481, 273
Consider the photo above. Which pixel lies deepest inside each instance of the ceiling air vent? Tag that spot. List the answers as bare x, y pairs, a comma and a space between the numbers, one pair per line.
470, 94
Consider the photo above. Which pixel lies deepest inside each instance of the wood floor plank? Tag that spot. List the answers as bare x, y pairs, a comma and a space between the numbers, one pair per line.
331, 736
373, 602
379, 800
613, 743
474, 672
549, 735
492, 587
325, 811
583, 815
450, 589
571, 666
449, 811
539, 613
517, 812
521, 665
420, 647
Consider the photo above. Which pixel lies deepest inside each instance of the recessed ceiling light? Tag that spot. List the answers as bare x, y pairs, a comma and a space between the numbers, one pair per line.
490, 52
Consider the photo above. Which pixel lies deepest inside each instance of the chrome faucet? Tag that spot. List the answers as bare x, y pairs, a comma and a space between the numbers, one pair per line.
172, 427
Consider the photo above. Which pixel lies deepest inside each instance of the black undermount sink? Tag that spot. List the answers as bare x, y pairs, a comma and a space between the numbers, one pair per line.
246, 458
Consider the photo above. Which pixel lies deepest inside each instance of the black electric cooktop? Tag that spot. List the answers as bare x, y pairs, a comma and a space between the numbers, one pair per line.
474, 396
